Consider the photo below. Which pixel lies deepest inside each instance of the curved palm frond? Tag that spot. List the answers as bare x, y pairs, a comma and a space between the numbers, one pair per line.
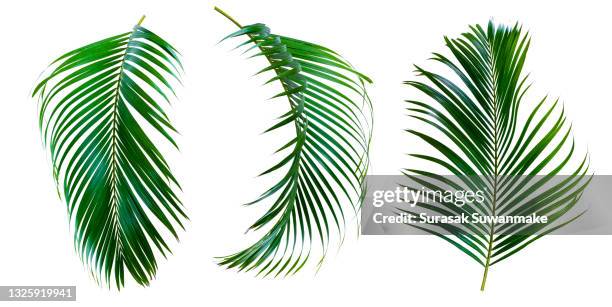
489, 147
326, 161
94, 107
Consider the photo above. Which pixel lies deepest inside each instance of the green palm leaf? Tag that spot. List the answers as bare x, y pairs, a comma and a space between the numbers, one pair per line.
94, 107
327, 160
488, 146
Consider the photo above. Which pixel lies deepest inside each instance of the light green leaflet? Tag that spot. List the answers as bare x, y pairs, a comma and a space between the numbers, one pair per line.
94, 105
325, 163
490, 148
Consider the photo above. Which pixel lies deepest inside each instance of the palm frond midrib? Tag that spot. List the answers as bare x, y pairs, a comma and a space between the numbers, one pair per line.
114, 152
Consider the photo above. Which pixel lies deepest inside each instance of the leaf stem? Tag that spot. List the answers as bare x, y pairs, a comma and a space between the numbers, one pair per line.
114, 151
228, 17
141, 20
496, 170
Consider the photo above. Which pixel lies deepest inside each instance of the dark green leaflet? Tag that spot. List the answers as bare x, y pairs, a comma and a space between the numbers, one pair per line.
118, 187
483, 135
327, 160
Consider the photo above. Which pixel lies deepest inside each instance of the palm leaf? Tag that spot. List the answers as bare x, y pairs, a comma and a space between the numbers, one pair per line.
325, 163
488, 146
98, 107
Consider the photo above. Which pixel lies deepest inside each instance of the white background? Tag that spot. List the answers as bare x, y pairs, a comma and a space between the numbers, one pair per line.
222, 111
